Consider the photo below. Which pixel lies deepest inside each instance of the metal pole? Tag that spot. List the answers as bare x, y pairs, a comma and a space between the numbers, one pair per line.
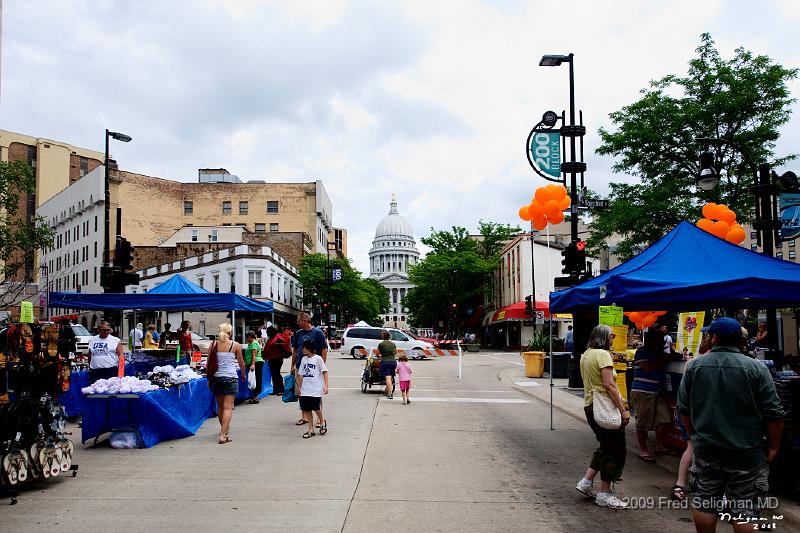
764, 181
533, 274
459, 359
573, 186
551, 372
233, 324
107, 209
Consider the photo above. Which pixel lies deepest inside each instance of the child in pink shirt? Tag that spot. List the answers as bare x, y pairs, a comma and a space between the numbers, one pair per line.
404, 373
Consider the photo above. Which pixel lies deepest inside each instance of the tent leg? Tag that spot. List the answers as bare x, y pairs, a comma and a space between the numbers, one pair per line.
233, 323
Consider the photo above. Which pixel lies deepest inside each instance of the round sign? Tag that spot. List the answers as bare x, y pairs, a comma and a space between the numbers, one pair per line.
549, 119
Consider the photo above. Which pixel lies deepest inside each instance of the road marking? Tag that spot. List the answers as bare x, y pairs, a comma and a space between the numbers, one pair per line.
527, 383
379, 386
465, 400
503, 360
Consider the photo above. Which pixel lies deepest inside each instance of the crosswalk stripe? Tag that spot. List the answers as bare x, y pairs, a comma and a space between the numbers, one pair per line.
463, 400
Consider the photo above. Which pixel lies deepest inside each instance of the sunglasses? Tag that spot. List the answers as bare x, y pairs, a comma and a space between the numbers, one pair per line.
104, 329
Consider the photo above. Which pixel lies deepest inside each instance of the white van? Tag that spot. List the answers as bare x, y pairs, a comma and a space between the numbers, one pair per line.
368, 338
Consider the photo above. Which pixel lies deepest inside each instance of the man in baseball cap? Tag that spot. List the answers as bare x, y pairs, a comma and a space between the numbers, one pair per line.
734, 419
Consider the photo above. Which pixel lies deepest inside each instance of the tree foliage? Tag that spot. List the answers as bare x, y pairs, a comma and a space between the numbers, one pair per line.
352, 298
458, 270
744, 99
20, 238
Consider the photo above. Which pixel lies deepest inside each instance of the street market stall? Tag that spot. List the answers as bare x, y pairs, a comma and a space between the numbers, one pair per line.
690, 269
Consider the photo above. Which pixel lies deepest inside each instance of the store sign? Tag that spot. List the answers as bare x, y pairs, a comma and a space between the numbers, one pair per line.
545, 152
689, 325
789, 205
26, 312
610, 315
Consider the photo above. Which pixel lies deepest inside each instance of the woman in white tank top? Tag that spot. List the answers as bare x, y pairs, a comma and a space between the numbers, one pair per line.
224, 357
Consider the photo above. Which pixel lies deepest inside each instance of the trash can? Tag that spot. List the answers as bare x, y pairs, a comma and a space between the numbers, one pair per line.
561, 364
534, 364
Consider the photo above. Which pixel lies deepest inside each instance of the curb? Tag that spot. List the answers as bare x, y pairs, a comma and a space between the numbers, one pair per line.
786, 507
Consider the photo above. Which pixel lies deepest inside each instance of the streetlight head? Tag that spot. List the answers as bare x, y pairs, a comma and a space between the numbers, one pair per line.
551, 60
120, 136
708, 177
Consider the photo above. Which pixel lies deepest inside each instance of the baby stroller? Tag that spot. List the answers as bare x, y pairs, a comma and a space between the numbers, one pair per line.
372, 374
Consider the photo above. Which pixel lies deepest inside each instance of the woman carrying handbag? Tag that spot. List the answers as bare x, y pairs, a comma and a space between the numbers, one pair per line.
276, 349
604, 409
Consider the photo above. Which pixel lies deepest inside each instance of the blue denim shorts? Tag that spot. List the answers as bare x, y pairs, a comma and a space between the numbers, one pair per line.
225, 386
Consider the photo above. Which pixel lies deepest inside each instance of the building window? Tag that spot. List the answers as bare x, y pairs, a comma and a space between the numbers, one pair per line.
779, 255
254, 282
791, 243
213, 236
194, 235
200, 281
84, 166
753, 235
792, 254
272, 207
261, 228
233, 281
95, 223
754, 247
216, 282
242, 208
226, 207
273, 227
188, 207
779, 245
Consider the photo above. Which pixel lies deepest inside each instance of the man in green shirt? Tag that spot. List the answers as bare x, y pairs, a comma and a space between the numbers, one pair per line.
734, 418
253, 362
388, 352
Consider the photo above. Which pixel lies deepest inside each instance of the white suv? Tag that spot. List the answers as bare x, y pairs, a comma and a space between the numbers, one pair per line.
368, 338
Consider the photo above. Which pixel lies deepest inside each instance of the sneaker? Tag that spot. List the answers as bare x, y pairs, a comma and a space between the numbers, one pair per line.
390, 397
586, 489
608, 499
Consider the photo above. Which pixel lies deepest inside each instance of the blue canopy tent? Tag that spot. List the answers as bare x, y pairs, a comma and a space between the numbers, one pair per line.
689, 268
186, 297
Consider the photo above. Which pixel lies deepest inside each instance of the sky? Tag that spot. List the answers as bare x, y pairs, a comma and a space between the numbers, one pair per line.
431, 100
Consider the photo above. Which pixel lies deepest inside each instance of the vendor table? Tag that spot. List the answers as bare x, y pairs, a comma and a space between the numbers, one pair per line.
266, 386
155, 416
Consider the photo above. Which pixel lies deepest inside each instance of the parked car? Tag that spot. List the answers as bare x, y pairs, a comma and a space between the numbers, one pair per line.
368, 338
199, 343
429, 340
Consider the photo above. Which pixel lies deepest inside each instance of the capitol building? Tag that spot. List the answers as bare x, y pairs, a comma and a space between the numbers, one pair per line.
393, 252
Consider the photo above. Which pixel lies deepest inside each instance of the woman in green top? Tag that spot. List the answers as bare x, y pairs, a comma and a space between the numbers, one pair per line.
597, 371
254, 363
388, 352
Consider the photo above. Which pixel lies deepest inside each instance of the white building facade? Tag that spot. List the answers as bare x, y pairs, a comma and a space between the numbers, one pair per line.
393, 252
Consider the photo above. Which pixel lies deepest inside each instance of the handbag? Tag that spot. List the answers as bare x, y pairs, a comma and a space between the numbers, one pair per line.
605, 412
251, 380
289, 394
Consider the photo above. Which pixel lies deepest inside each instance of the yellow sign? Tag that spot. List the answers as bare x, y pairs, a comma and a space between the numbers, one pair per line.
564, 316
620, 342
622, 385
501, 315
26, 312
610, 315
689, 334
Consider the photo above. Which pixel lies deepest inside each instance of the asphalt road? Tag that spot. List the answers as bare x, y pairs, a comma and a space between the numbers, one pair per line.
471, 454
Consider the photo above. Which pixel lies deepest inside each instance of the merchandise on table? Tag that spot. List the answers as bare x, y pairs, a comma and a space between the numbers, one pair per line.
174, 375
115, 385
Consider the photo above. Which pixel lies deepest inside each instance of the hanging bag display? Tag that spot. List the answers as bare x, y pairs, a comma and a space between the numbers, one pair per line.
605, 412
251, 380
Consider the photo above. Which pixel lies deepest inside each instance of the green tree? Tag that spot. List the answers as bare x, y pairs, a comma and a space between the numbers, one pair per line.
458, 270
20, 238
744, 99
352, 298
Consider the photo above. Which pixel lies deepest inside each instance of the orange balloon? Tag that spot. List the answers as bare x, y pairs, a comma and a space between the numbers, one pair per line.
721, 229
559, 192
649, 320
523, 213
542, 195
705, 224
640, 325
727, 215
540, 223
659, 313
636, 316
735, 235
564, 203
535, 210
552, 190
551, 209
709, 210
558, 219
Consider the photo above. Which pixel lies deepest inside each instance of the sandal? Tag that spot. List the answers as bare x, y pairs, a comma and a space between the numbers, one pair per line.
646, 457
301, 422
323, 428
678, 493
253, 400
226, 440
308, 434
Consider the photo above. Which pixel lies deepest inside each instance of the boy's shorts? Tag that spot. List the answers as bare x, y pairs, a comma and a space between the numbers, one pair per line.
310, 403
405, 385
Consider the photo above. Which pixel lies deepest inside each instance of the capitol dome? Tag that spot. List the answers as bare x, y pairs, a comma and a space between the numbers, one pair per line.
393, 225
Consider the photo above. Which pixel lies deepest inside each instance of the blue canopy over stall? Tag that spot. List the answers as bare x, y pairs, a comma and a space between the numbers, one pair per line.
177, 284
689, 268
208, 301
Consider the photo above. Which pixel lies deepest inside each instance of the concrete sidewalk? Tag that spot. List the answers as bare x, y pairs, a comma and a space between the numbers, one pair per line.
572, 404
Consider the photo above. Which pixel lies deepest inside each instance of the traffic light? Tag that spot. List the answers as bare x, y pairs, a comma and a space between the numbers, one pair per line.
113, 279
529, 305
123, 256
580, 257
570, 254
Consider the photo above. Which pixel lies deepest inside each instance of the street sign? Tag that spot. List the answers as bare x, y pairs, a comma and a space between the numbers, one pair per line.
545, 152
596, 204
333, 317
336, 274
789, 204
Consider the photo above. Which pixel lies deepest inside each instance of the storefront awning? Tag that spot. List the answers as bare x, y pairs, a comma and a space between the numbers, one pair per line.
516, 312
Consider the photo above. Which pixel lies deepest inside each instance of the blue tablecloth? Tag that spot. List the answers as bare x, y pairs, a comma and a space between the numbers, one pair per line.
266, 386
160, 415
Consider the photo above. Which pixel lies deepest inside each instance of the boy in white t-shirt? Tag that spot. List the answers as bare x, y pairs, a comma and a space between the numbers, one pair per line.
312, 379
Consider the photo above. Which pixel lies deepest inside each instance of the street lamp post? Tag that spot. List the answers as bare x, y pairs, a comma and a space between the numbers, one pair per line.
766, 219
107, 200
